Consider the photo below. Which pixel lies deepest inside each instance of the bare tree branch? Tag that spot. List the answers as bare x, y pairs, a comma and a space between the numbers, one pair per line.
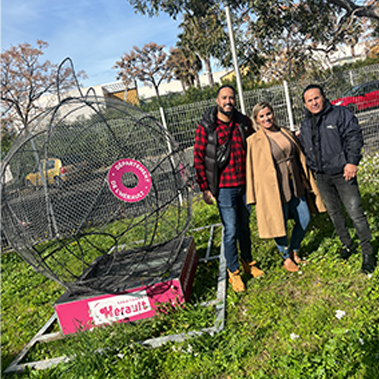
149, 65
370, 11
24, 80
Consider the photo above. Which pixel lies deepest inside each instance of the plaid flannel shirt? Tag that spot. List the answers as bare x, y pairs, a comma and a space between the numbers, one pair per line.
234, 174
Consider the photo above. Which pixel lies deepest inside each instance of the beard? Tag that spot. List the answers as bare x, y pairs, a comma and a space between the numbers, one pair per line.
226, 113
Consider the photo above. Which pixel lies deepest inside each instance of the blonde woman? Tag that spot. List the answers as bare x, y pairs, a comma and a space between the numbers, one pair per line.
277, 181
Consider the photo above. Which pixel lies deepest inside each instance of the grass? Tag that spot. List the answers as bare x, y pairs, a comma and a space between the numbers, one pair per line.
322, 322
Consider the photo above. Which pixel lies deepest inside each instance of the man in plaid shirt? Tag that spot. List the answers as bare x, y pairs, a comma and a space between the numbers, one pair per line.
229, 191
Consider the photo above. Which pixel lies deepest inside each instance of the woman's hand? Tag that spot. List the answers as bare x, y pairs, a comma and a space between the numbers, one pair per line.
306, 184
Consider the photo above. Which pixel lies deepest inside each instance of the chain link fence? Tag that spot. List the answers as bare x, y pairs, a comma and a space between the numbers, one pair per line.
181, 121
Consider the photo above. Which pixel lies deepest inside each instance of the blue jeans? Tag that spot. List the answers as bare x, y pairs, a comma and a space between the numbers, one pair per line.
333, 189
298, 208
235, 216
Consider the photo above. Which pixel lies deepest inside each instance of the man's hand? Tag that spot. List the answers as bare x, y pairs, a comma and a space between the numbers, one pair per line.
349, 171
208, 197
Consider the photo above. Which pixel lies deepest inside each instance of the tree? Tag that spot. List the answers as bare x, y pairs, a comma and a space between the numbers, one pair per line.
282, 33
198, 7
371, 38
149, 65
8, 135
369, 10
172, 7
206, 36
288, 36
185, 65
351, 37
25, 79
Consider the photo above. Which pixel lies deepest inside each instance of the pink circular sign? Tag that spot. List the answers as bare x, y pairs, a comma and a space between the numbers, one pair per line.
130, 195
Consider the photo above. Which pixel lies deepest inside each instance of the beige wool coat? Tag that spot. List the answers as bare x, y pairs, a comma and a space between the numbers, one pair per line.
262, 188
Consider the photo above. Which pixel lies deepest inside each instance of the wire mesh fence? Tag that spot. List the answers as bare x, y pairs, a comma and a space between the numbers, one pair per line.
357, 89
182, 120
363, 83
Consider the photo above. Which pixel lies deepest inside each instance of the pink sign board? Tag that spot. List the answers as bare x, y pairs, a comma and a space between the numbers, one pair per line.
130, 305
124, 307
139, 191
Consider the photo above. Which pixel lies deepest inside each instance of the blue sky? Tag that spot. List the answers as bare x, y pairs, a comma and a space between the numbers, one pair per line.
94, 33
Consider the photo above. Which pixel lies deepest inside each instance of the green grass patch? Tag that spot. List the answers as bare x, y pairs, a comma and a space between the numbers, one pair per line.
322, 322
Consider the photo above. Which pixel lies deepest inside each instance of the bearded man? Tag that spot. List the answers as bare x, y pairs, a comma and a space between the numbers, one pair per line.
220, 164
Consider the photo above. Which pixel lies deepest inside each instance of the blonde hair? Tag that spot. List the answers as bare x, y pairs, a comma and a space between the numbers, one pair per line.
258, 107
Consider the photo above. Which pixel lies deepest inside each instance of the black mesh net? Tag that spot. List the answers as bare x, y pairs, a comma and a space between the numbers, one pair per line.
97, 187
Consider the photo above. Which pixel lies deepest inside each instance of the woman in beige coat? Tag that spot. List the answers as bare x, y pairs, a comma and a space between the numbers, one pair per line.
277, 181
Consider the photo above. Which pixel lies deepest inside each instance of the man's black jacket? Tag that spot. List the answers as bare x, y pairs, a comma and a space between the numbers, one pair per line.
331, 139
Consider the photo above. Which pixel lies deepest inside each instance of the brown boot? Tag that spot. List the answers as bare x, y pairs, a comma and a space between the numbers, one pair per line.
236, 281
290, 265
250, 268
297, 259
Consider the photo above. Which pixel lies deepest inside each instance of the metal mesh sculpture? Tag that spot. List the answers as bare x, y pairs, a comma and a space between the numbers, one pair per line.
97, 188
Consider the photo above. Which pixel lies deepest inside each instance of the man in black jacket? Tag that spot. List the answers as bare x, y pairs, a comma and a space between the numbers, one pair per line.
222, 125
332, 142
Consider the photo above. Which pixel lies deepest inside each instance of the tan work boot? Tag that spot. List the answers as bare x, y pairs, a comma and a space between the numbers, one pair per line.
297, 259
236, 281
250, 268
290, 265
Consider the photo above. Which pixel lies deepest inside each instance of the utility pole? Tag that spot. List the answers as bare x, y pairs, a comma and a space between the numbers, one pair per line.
234, 54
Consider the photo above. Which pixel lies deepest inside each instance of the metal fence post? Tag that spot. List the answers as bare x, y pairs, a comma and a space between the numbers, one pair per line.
351, 78
234, 55
164, 123
289, 105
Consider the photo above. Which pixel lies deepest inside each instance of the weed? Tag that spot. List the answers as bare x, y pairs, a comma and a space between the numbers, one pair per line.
320, 323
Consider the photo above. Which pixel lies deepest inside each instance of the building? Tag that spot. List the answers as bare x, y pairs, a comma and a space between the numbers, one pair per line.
174, 86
